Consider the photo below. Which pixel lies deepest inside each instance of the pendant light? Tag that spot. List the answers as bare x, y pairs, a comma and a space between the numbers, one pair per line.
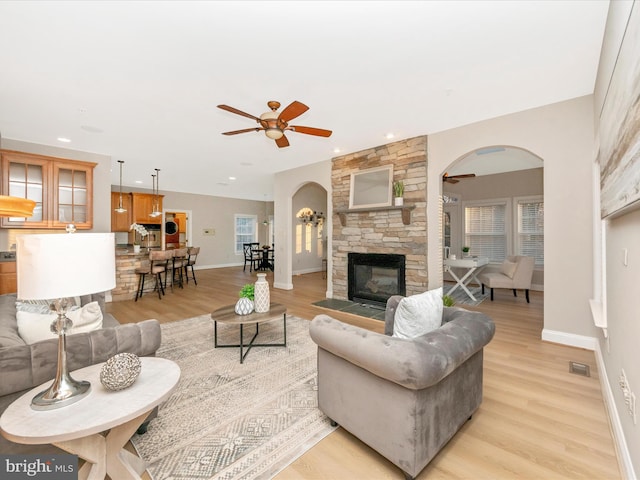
120, 208
155, 210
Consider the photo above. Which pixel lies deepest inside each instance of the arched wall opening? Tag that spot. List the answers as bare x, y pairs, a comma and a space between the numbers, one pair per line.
493, 203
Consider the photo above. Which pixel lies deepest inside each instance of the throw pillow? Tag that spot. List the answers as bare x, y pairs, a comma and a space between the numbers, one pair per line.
35, 327
508, 268
418, 314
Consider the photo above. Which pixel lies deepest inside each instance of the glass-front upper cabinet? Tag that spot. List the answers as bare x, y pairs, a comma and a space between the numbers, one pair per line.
62, 190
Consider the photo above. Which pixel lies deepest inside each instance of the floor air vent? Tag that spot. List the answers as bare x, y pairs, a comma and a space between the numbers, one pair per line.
579, 369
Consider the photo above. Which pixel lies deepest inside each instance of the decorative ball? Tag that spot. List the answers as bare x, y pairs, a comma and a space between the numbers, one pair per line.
120, 371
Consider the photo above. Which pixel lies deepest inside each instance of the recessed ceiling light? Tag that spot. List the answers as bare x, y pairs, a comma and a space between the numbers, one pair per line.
390, 135
138, 181
232, 178
64, 140
336, 150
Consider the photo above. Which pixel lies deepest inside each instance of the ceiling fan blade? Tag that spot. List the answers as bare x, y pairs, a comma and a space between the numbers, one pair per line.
238, 112
295, 109
282, 142
319, 132
245, 130
450, 180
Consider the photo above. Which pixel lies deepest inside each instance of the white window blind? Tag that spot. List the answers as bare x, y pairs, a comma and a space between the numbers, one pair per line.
245, 231
531, 230
485, 231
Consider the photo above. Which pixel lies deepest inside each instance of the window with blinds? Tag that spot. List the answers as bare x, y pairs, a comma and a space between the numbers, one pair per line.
530, 234
485, 231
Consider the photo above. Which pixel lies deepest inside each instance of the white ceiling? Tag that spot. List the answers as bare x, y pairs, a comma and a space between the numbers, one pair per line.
140, 81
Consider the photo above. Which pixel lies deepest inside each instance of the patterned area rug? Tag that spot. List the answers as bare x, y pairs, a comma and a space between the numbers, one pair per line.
461, 297
228, 420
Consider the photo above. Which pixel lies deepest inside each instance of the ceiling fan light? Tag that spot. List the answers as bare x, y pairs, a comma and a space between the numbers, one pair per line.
274, 133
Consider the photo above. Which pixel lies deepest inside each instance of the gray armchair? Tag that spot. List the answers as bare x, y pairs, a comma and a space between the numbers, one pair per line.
404, 398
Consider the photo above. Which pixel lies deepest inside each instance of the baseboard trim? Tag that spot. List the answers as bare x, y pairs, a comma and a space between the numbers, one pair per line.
307, 270
619, 441
569, 339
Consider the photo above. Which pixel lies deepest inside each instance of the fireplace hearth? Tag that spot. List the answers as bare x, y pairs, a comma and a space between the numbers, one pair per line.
374, 277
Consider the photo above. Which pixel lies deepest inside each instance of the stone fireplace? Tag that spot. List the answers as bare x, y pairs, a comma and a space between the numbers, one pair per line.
374, 277
388, 230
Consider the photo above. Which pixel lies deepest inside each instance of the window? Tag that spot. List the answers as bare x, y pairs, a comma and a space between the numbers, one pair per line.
245, 231
486, 230
530, 228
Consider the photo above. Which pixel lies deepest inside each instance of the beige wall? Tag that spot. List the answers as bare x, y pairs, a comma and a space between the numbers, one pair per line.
217, 213
616, 283
562, 136
286, 184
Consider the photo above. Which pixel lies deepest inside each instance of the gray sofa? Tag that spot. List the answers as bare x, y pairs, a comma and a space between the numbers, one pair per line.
23, 366
404, 398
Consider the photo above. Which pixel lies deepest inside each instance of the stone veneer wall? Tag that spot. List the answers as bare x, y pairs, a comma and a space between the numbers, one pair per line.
383, 231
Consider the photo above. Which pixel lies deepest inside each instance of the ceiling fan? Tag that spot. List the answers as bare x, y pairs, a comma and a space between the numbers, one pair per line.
274, 125
454, 178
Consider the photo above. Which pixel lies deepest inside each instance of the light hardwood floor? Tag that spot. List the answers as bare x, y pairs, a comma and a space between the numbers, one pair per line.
537, 420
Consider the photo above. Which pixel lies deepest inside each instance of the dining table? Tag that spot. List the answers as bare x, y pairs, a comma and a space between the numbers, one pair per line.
263, 255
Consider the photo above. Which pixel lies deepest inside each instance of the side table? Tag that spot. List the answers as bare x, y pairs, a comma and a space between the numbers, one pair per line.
79, 428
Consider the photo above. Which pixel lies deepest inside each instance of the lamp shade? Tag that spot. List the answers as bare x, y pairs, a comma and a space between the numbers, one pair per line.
66, 265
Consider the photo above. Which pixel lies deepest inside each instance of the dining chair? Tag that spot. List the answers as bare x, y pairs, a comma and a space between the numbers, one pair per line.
192, 255
156, 266
250, 256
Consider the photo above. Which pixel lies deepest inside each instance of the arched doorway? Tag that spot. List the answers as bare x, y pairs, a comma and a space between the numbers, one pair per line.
309, 239
493, 203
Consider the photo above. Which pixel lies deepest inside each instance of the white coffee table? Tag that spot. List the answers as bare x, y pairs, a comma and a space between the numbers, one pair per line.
78, 428
473, 265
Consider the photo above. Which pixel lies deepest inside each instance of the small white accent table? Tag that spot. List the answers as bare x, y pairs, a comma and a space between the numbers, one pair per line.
473, 265
78, 428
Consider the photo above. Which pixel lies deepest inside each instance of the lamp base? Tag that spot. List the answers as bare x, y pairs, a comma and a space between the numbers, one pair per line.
53, 398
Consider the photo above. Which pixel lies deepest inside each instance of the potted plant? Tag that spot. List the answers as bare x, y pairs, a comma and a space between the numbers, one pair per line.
244, 305
448, 301
465, 250
398, 192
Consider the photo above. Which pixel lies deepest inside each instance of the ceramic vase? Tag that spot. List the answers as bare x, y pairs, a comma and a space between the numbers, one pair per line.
136, 249
399, 201
261, 297
244, 306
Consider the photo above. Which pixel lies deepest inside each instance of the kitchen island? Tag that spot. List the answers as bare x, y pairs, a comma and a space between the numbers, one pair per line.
126, 277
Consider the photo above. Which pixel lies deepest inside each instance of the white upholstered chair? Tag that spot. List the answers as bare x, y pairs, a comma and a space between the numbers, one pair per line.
515, 273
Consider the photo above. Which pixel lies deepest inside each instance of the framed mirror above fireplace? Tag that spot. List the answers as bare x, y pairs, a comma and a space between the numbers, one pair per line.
371, 187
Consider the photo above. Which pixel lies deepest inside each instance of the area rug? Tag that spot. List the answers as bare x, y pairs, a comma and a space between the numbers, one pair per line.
460, 297
228, 420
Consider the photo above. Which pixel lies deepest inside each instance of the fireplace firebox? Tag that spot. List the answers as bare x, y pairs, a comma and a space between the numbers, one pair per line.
374, 277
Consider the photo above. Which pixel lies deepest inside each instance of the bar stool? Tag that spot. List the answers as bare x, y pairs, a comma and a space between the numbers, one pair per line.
178, 264
192, 255
158, 261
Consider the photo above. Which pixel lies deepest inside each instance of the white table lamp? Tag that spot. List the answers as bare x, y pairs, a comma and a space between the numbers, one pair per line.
55, 267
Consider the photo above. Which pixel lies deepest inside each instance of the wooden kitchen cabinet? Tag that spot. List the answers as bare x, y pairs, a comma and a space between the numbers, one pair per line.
8, 278
62, 189
142, 206
120, 222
